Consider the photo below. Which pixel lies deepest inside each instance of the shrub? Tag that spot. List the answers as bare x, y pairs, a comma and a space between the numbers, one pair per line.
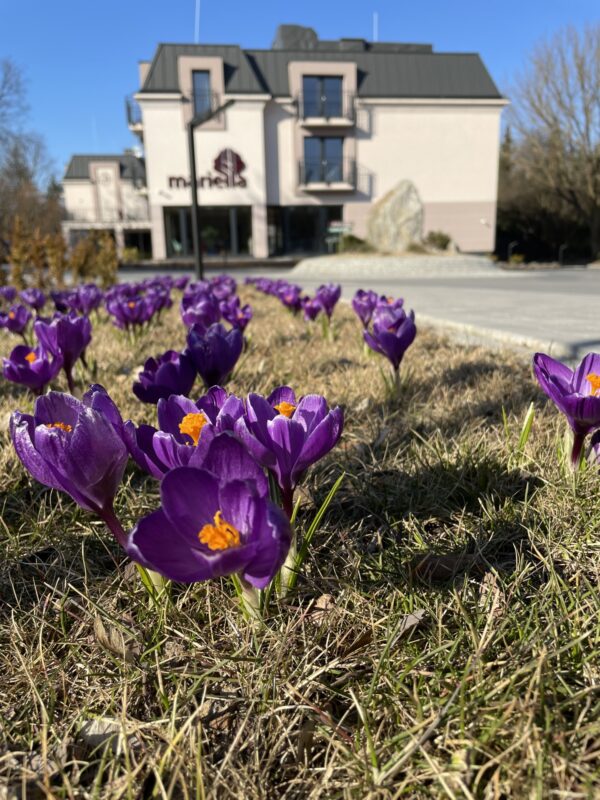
416, 247
517, 258
130, 255
56, 256
19, 255
107, 261
438, 239
82, 259
354, 244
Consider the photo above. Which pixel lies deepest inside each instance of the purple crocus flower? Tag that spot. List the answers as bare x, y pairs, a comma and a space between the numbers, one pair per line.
393, 333
186, 429
33, 297
67, 336
286, 436
63, 299
16, 319
574, 392
328, 296
211, 525
181, 282
31, 367
128, 311
215, 352
87, 298
68, 445
223, 287
236, 315
311, 308
364, 303
8, 293
170, 373
204, 311
290, 296
390, 303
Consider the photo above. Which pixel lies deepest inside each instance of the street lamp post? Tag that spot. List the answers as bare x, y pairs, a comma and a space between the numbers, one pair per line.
194, 123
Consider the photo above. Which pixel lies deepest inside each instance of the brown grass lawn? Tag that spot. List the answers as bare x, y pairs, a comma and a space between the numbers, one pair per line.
442, 640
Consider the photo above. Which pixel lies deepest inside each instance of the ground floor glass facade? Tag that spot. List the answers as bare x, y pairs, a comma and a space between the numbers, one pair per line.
224, 230
300, 229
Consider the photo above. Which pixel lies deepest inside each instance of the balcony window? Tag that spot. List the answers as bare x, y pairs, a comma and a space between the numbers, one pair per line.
201, 91
323, 159
322, 96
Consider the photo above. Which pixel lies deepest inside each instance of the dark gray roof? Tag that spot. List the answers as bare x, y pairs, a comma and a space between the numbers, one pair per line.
384, 69
389, 74
162, 75
132, 168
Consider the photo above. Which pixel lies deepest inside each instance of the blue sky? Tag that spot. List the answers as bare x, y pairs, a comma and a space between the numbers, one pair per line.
80, 57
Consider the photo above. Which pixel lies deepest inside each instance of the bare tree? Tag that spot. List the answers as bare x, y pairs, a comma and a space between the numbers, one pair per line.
556, 115
12, 101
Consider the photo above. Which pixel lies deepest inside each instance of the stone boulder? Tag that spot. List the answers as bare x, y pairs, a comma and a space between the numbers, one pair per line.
396, 220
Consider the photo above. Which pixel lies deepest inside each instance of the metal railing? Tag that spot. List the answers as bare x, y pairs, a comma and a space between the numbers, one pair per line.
339, 170
91, 215
133, 112
340, 105
205, 102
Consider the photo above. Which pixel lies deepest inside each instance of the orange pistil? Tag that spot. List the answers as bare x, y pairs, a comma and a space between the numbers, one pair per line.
594, 381
11, 315
31, 357
192, 425
285, 409
220, 536
131, 304
62, 425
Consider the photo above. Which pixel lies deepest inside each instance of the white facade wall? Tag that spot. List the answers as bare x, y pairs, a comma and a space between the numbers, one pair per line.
166, 151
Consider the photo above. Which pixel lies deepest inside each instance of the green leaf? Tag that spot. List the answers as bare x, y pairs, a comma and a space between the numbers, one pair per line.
303, 551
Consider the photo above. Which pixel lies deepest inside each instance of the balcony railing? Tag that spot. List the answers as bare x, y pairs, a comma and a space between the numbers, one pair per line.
93, 217
340, 106
205, 101
334, 173
134, 112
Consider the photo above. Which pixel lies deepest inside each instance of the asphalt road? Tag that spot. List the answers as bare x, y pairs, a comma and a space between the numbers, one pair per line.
557, 311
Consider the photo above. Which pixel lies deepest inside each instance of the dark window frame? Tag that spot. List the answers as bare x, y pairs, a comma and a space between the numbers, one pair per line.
201, 93
327, 169
324, 106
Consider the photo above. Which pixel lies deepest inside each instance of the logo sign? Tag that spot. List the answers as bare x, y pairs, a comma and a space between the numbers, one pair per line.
228, 166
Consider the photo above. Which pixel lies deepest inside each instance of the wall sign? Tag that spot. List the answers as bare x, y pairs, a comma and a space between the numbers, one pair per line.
229, 167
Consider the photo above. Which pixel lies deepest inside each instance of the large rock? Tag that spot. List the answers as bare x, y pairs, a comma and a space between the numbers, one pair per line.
396, 220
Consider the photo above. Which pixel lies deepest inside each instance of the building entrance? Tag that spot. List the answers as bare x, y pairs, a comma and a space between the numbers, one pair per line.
224, 230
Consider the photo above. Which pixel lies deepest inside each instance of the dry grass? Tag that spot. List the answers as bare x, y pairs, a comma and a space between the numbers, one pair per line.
442, 642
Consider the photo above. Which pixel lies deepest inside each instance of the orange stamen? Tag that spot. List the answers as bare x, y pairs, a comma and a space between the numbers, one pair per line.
220, 536
192, 425
131, 304
62, 425
11, 315
31, 357
285, 409
594, 381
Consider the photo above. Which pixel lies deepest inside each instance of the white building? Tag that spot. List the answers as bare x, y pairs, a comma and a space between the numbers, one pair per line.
315, 132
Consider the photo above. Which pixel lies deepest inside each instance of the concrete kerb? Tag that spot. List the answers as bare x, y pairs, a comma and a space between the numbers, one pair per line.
496, 339
375, 267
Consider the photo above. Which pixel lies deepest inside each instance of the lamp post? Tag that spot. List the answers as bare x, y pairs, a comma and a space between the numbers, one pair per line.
194, 123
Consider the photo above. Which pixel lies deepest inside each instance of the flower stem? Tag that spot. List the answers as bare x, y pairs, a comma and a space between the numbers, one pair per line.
287, 502
289, 566
250, 599
70, 381
576, 450
113, 524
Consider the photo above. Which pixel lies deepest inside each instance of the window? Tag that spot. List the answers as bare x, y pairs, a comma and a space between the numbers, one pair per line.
322, 96
323, 159
201, 90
